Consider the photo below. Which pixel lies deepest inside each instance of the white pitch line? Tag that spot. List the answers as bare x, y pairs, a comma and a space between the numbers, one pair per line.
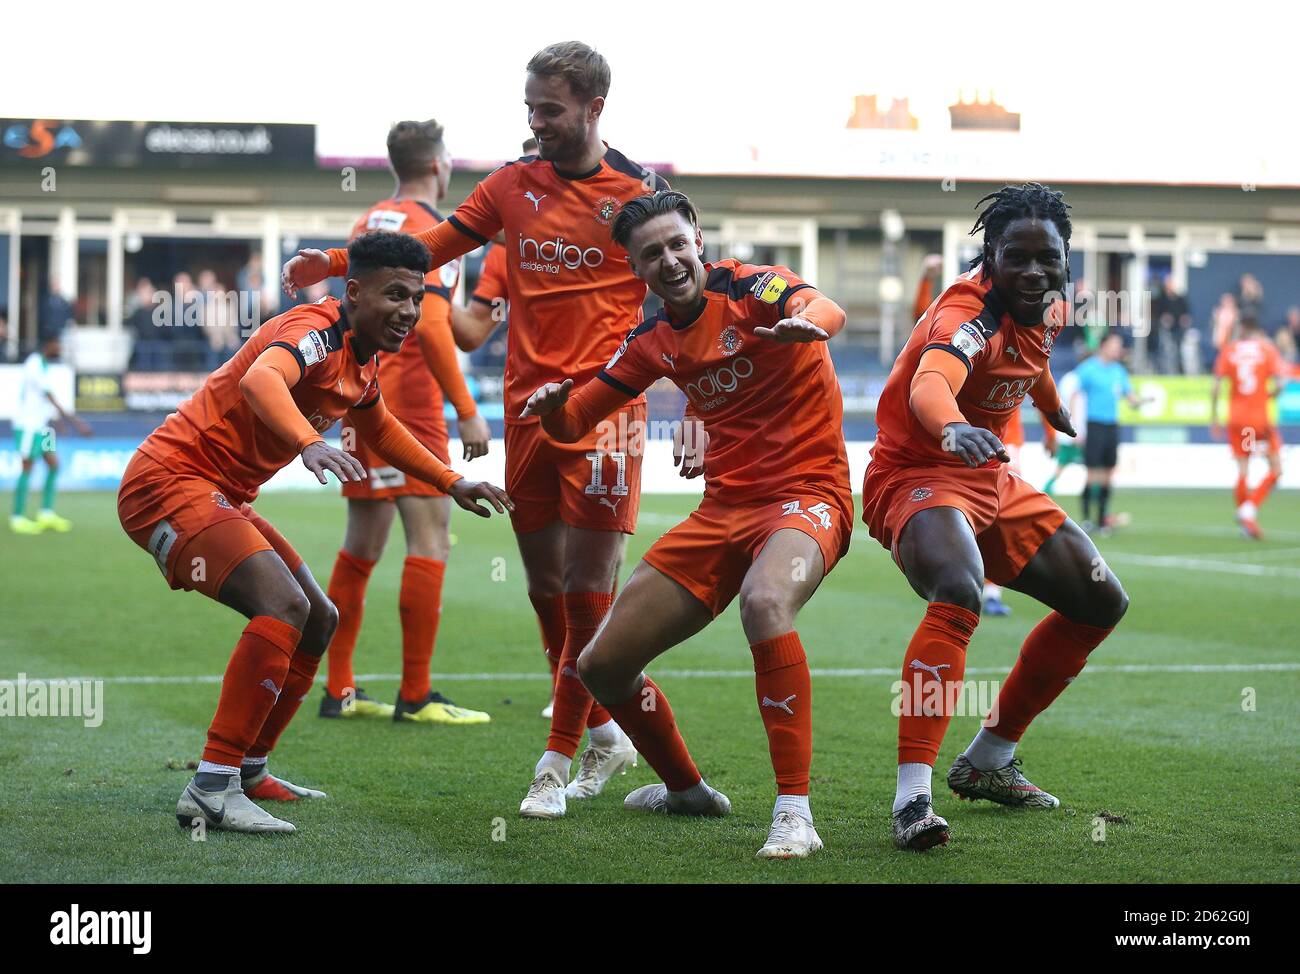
1203, 565
707, 674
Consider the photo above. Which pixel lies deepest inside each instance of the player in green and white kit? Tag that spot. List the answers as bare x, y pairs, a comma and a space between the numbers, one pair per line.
34, 434
1069, 449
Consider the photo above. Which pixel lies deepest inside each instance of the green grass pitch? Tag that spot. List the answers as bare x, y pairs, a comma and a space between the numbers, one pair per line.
1200, 764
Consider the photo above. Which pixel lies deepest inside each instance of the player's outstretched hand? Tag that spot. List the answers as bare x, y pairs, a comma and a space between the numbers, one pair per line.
307, 267
690, 440
82, 426
474, 436
467, 493
975, 445
793, 330
1061, 421
547, 399
319, 457
1217, 432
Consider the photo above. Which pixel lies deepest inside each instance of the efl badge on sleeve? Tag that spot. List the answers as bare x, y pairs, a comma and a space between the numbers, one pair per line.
770, 287
968, 340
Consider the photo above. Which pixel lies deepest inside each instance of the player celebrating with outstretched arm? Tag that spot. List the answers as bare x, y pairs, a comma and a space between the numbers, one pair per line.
572, 296
940, 497
414, 381
746, 345
185, 499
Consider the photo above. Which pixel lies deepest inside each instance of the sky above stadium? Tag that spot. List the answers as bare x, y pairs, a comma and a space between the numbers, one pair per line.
1101, 77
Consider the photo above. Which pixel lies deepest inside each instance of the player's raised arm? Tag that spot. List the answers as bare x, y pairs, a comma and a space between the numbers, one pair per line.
392, 441
472, 225
570, 418
265, 387
939, 377
810, 317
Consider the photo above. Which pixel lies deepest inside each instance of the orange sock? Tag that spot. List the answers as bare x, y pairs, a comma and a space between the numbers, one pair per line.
297, 684
1264, 489
249, 690
932, 673
347, 590
420, 605
583, 612
784, 690
1050, 659
1241, 491
648, 720
550, 619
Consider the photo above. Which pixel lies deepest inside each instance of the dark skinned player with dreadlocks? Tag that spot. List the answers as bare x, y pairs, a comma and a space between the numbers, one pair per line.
940, 496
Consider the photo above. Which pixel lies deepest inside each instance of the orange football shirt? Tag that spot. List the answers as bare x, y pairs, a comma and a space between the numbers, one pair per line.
571, 290
491, 284
216, 435
1247, 364
1004, 360
772, 410
413, 393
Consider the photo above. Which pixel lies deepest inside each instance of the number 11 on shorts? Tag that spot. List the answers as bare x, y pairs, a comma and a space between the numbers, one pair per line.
598, 485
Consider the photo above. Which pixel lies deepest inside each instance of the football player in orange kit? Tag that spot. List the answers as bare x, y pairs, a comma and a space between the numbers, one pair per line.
940, 497
574, 502
747, 346
1249, 362
185, 499
413, 381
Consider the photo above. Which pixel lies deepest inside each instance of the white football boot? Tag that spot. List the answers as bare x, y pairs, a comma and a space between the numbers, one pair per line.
657, 798
228, 810
792, 837
545, 798
598, 764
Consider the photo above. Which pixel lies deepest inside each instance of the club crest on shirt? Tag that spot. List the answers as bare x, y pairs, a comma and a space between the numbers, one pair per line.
770, 287
448, 273
920, 494
1049, 337
729, 341
606, 207
313, 348
968, 339
219, 499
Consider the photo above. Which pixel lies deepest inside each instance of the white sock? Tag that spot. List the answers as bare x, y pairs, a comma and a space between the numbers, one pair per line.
557, 762
988, 752
207, 767
254, 762
913, 779
699, 792
992, 591
606, 735
798, 804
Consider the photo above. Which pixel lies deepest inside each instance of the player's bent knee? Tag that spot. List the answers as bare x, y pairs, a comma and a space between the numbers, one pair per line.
1110, 603
326, 618
958, 588
291, 606
765, 613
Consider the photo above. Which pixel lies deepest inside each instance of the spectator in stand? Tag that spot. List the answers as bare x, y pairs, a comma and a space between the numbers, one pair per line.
56, 313
1172, 318
1287, 338
1250, 298
256, 303
1223, 322
220, 324
929, 287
